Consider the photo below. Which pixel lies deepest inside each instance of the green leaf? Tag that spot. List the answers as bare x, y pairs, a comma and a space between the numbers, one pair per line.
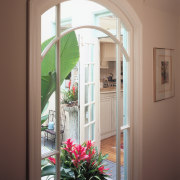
44, 118
48, 170
67, 173
44, 162
48, 84
96, 177
69, 55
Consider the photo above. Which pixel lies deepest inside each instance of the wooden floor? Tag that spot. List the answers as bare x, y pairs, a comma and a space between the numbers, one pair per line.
108, 146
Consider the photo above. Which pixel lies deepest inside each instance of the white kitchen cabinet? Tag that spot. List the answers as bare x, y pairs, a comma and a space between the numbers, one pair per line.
108, 113
105, 115
108, 51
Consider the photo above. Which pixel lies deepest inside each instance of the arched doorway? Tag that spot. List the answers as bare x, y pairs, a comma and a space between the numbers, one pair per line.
31, 86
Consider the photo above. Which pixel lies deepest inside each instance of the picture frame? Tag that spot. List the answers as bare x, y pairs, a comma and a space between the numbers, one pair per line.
163, 71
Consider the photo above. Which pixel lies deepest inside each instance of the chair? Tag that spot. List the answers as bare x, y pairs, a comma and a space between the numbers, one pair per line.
52, 119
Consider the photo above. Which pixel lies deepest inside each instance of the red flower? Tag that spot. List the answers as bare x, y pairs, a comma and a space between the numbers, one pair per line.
89, 144
91, 154
69, 84
69, 146
80, 154
74, 90
53, 160
101, 169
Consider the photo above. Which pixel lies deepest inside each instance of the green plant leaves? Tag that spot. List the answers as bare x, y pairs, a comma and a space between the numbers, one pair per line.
69, 55
43, 120
48, 170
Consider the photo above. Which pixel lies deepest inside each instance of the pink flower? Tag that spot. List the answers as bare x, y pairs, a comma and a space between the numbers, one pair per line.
80, 154
53, 160
69, 84
74, 90
91, 154
69, 146
89, 144
101, 169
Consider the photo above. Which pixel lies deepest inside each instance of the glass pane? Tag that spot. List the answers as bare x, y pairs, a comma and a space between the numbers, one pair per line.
92, 112
125, 92
108, 22
86, 94
92, 92
48, 106
86, 114
92, 132
92, 73
125, 37
92, 53
86, 73
87, 133
48, 25
125, 151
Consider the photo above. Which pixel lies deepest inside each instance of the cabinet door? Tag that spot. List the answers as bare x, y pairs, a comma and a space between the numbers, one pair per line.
108, 51
105, 115
113, 121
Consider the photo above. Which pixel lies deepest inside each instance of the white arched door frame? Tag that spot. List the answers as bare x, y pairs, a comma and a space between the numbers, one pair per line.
123, 10
120, 49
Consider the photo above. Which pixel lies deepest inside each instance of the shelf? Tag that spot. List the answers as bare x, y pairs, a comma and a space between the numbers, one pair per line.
104, 67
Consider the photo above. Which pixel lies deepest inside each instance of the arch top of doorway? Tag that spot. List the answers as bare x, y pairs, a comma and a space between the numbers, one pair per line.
90, 27
120, 8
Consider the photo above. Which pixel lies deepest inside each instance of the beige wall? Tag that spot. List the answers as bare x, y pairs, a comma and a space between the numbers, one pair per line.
13, 90
178, 97
159, 119
160, 128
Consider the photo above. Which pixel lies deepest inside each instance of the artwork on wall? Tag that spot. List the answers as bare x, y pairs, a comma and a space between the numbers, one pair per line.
163, 73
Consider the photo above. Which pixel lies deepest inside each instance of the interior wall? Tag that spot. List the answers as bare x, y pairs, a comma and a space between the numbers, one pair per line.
13, 89
178, 97
159, 118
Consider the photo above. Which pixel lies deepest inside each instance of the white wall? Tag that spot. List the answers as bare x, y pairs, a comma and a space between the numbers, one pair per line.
159, 118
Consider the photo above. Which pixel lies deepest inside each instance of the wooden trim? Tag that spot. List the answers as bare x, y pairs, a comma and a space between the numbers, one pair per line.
45, 155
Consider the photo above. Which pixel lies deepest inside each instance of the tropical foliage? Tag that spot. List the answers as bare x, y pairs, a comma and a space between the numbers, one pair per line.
69, 55
78, 162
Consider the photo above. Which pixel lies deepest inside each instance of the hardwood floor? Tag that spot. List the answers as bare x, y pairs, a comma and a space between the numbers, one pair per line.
108, 146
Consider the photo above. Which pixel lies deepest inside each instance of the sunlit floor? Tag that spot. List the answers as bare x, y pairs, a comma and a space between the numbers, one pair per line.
108, 146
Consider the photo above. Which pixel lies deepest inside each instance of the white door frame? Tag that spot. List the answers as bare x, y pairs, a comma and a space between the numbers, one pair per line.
121, 9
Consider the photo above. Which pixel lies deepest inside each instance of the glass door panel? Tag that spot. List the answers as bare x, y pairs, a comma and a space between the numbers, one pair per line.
89, 60
126, 124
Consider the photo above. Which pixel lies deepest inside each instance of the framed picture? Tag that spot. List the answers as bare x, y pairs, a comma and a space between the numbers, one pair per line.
163, 73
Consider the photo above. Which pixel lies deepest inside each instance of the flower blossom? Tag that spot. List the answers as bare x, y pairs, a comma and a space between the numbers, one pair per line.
80, 154
90, 155
69, 146
53, 160
74, 90
101, 169
89, 144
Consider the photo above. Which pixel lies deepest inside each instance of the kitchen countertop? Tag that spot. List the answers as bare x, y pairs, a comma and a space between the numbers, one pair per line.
108, 90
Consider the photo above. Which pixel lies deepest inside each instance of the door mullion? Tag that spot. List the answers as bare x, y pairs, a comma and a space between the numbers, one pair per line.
58, 117
118, 123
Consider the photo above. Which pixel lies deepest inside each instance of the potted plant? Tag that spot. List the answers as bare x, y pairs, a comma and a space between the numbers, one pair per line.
70, 101
79, 162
